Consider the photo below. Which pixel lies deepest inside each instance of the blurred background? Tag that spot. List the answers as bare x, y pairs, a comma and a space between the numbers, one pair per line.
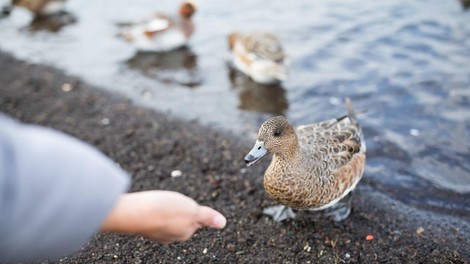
407, 63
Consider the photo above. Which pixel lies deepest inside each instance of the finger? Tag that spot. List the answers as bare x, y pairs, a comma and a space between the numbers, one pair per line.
209, 217
164, 241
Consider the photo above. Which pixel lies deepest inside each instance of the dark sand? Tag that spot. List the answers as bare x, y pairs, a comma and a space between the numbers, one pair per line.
150, 145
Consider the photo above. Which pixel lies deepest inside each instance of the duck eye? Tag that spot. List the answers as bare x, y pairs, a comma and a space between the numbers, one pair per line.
277, 133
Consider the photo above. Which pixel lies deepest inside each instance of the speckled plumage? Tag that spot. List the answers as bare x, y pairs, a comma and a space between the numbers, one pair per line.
315, 165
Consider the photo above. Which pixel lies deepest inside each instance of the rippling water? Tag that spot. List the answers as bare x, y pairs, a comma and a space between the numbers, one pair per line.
406, 62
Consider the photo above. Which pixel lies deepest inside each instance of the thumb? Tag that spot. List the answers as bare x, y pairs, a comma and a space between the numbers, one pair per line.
210, 218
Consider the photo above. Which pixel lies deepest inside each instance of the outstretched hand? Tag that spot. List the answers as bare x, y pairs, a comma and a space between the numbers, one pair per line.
164, 216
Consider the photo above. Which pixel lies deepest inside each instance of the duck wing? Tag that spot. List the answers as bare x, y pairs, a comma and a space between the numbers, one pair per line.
263, 45
159, 23
333, 143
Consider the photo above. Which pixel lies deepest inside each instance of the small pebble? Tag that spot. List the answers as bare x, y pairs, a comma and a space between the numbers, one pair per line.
414, 132
231, 247
419, 231
115, 256
346, 256
243, 170
369, 237
307, 247
179, 258
176, 173
105, 121
67, 87
204, 251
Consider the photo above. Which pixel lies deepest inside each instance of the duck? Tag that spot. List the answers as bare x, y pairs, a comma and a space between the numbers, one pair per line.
314, 166
40, 8
465, 4
162, 32
258, 54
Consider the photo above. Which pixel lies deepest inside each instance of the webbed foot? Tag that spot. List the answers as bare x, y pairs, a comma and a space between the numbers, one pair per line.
279, 212
340, 210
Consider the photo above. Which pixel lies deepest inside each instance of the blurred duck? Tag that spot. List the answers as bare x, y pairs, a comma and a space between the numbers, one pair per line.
465, 4
40, 7
163, 32
258, 55
314, 167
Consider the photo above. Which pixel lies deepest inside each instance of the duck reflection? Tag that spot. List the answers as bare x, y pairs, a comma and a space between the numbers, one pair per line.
256, 97
52, 23
173, 67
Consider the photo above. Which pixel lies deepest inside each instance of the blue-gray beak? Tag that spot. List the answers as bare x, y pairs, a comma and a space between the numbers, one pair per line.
256, 153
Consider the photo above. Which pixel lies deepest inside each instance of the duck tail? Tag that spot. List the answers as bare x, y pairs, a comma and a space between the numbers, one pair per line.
279, 72
232, 38
126, 36
351, 111
353, 119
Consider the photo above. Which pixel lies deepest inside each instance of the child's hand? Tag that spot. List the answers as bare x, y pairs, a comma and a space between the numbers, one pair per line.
164, 216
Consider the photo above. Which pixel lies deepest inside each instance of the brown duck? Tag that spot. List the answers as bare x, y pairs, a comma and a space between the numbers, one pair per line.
314, 167
40, 7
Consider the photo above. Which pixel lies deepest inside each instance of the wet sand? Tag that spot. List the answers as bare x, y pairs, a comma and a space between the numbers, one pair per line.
150, 145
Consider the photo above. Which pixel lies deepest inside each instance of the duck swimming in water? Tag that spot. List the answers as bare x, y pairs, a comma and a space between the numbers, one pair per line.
163, 32
40, 7
314, 167
259, 55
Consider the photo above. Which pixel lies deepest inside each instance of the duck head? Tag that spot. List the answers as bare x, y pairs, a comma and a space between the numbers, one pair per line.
187, 9
275, 136
232, 39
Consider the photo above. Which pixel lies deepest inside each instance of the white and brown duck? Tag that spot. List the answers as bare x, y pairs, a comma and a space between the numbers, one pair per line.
259, 55
40, 7
163, 32
314, 167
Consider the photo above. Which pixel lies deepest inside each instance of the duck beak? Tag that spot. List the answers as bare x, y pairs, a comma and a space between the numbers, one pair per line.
256, 153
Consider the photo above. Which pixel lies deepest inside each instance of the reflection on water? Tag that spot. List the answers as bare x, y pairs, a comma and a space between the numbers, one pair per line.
52, 23
405, 62
256, 97
175, 67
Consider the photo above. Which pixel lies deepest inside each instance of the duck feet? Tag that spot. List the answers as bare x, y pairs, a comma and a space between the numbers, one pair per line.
341, 210
279, 212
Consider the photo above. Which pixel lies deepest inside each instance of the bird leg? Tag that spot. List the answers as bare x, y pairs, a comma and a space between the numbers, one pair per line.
279, 212
341, 209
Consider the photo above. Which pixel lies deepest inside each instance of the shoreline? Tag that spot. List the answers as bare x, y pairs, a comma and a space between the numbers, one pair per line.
149, 145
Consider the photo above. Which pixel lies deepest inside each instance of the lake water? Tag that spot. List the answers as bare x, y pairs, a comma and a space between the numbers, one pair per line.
406, 62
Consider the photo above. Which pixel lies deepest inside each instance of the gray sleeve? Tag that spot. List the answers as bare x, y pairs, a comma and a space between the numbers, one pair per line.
55, 191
